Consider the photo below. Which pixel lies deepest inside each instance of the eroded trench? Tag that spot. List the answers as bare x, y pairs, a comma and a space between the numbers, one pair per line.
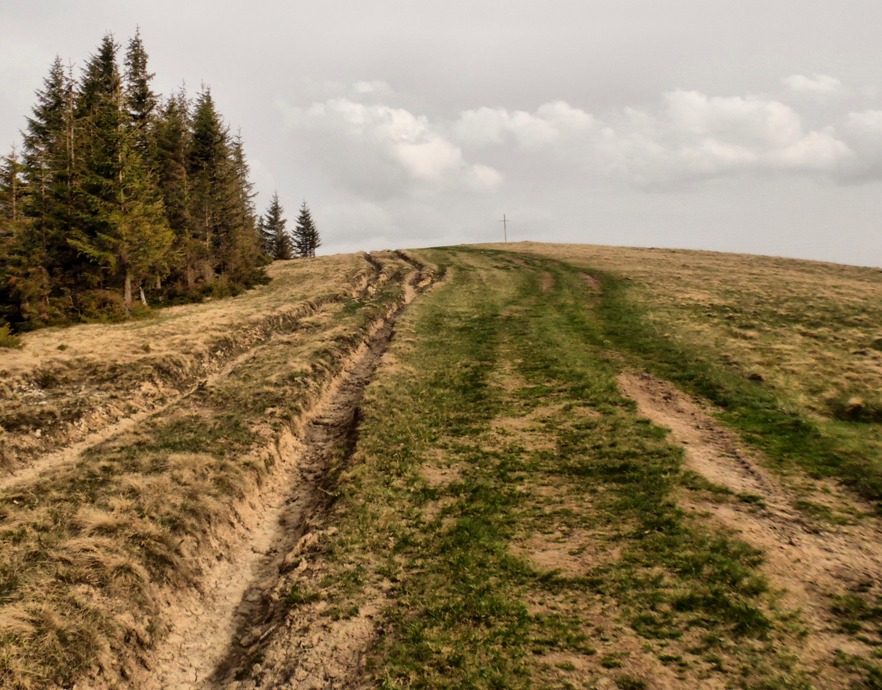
217, 633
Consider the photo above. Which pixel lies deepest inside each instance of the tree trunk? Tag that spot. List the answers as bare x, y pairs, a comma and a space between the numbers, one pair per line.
128, 291
143, 298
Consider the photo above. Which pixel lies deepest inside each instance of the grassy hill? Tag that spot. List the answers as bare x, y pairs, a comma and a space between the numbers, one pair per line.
506, 466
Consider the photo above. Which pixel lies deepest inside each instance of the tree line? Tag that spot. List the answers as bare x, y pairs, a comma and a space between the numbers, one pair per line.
118, 196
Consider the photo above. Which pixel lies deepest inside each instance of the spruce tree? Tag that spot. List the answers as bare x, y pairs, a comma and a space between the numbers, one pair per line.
122, 228
171, 162
210, 177
43, 257
140, 101
244, 253
46, 148
263, 239
100, 124
278, 241
11, 186
142, 242
306, 237
11, 223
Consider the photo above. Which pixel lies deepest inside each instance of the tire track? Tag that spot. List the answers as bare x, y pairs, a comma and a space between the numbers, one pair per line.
266, 331
218, 632
811, 562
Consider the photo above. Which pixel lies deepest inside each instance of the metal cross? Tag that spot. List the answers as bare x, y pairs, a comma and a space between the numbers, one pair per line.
504, 222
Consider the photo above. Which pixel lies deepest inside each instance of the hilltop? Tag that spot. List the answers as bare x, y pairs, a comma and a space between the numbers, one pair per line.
503, 466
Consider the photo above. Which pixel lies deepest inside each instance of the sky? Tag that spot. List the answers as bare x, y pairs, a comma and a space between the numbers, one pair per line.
731, 125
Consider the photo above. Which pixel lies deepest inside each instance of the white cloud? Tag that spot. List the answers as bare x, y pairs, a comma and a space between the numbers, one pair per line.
374, 87
867, 123
689, 136
694, 136
378, 149
484, 178
384, 149
816, 151
745, 120
550, 124
816, 85
431, 159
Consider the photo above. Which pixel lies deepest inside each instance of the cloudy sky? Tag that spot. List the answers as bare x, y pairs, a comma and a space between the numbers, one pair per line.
734, 125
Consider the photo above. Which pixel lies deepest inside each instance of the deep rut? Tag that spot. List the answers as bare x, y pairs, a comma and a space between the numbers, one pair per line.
217, 632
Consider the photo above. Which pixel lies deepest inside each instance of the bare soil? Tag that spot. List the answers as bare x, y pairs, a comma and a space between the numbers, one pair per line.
254, 638
807, 560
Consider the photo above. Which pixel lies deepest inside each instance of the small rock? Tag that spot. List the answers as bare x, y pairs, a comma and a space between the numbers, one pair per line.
249, 638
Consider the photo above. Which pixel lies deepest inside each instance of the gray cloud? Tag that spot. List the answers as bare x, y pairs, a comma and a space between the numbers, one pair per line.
687, 137
738, 124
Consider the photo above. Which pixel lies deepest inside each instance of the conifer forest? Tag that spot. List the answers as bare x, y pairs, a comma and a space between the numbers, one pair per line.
119, 197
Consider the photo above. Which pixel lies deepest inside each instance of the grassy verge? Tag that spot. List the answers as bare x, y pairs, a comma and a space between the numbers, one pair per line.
522, 516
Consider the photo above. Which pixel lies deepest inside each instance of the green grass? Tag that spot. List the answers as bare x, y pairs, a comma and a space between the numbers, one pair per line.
788, 435
471, 609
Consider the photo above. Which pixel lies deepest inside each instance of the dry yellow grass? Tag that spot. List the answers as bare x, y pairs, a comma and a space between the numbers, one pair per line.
97, 546
182, 330
811, 330
66, 384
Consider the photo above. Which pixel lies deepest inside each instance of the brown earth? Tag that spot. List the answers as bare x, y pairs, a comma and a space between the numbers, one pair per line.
256, 620
808, 561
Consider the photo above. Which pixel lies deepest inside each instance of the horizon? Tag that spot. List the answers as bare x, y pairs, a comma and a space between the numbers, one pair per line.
736, 128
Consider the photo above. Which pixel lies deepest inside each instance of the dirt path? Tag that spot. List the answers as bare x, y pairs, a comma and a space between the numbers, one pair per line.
240, 612
73, 442
69, 454
809, 560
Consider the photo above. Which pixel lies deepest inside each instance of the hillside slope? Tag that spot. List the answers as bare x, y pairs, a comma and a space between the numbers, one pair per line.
500, 467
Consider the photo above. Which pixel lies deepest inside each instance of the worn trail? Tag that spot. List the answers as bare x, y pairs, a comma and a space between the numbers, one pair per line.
217, 632
69, 452
810, 561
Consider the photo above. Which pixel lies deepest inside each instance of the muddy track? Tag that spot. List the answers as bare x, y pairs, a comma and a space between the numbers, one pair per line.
367, 283
218, 632
419, 279
810, 560
71, 441
415, 263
